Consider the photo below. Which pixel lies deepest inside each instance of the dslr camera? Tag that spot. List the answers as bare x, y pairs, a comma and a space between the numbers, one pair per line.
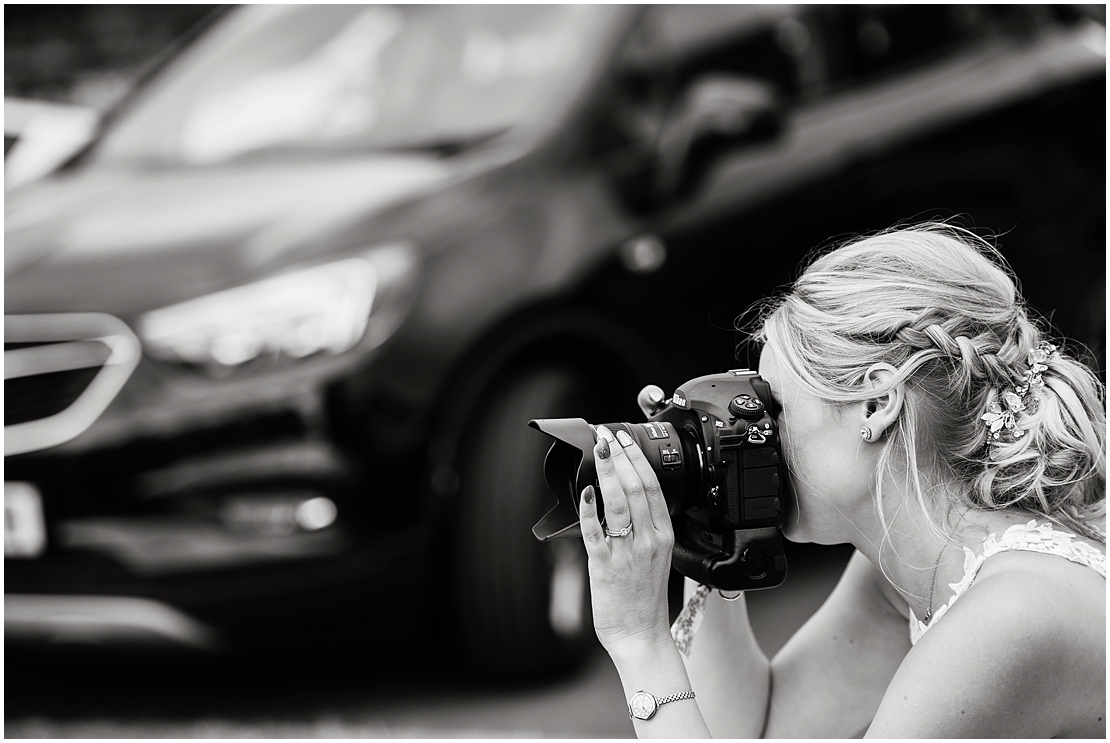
714, 445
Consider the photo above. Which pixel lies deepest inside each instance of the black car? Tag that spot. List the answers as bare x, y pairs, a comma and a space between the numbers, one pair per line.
272, 339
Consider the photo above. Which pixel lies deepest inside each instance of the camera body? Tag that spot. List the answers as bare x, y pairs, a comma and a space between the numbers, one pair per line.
715, 448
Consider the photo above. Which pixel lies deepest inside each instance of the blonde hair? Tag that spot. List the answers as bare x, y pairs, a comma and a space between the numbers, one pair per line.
939, 304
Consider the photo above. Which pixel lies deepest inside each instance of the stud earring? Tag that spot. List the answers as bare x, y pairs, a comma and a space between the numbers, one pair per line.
866, 433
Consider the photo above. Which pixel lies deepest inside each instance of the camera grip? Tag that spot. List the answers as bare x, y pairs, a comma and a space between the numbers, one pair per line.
750, 559
694, 565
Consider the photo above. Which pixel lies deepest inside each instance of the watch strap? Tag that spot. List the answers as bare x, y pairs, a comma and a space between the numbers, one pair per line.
675, 697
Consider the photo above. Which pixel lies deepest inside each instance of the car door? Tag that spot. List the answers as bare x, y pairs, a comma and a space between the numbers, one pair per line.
884, 114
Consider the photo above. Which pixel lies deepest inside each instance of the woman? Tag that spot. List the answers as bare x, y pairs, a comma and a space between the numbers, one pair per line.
927, 421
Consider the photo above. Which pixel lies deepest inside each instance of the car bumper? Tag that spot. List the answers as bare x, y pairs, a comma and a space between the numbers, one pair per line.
191, 493
99, 620
76, 595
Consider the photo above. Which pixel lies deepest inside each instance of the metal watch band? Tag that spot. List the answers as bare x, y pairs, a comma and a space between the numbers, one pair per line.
676, 697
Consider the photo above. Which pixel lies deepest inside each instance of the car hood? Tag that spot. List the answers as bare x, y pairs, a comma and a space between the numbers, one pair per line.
124, 241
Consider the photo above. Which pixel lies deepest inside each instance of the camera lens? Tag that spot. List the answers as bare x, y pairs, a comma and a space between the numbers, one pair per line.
674, 454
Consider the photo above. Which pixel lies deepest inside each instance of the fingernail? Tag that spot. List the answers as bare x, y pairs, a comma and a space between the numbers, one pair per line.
588, 493
625, 439
603, 448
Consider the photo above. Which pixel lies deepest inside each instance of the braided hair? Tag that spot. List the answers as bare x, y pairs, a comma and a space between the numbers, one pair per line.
939, 304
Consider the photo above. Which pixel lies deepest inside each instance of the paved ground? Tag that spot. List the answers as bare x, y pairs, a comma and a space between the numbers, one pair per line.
399, 694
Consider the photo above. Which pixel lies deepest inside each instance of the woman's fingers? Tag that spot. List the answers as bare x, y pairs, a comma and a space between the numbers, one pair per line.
657, 504
633, 487
592, 533
617, 513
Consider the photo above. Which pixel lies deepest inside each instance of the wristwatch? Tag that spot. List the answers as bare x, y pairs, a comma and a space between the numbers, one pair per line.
643, 706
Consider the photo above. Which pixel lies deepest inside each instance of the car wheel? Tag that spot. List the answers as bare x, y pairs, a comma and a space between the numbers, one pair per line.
523, 606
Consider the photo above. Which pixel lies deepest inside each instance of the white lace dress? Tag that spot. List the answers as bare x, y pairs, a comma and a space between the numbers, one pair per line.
1032, 537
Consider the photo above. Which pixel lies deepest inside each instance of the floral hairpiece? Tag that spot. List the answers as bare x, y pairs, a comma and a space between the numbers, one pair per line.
1001, 420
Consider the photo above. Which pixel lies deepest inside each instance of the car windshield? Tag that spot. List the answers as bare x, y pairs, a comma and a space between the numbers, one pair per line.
290, 78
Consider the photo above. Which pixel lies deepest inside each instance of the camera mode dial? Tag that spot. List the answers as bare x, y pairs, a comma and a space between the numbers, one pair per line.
746, 407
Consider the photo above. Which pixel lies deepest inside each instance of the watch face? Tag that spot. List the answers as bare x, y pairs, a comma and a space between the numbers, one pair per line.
642, 705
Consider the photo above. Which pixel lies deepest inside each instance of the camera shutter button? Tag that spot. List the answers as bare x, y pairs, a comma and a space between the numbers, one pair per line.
747, 407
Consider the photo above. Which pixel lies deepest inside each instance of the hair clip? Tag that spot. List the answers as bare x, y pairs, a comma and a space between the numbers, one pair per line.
1037, 359
1001, 419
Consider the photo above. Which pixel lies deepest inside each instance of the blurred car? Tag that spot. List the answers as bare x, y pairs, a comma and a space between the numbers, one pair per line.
271, 340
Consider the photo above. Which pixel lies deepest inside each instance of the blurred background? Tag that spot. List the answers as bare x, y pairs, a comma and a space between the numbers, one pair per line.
283, 285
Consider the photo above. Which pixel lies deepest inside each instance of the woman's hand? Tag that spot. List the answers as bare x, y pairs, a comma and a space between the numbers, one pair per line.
629, 574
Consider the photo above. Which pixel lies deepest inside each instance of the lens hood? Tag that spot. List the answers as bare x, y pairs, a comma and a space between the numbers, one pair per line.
567, 470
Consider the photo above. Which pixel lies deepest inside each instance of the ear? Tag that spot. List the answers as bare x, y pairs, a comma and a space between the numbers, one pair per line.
880, 412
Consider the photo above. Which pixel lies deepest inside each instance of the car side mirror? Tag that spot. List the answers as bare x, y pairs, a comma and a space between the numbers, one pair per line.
715, 114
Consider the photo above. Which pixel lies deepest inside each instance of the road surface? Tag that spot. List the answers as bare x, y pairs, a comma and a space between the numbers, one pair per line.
401, 693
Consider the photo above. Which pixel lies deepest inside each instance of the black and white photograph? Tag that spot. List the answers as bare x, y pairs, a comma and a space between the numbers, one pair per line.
554, 371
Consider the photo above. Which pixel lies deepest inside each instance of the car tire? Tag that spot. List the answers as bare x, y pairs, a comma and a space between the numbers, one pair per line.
522, 606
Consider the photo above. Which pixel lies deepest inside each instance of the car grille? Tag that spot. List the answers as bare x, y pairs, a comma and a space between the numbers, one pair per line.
44, 395
60, 373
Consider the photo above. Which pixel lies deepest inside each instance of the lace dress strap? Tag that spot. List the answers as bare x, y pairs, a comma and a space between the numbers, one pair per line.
1030, 537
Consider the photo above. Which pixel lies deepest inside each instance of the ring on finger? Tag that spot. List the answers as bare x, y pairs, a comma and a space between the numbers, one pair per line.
621, 533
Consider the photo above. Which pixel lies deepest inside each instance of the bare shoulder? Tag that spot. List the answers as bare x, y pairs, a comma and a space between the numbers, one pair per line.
1022, 653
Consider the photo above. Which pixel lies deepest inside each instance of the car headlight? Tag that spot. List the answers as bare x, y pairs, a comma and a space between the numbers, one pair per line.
321, 309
